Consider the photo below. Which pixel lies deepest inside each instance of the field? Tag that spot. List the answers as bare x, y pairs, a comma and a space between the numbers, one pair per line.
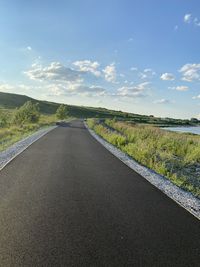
173, 155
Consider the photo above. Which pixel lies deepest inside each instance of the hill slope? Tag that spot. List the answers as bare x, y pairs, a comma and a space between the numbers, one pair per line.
12, 101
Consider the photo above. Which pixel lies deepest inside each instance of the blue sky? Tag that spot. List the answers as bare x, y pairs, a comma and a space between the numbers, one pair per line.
140, 56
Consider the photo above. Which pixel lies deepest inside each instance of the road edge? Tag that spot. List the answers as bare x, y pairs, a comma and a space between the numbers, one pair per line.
183, 198
16, 149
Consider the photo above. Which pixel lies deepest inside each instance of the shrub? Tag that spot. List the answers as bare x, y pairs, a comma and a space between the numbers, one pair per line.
61, 112
28, 113
4, 119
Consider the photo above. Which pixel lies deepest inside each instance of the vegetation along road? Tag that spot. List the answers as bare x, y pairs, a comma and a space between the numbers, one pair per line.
66, 201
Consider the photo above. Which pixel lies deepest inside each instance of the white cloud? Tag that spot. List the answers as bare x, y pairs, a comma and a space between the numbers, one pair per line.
133, 69
17, 88
197, 116
89, 90
162, 101
167, 77
56, 90
187, 18
142, 75
196, 97
133, 91
29, 48
147, 70
75, 89
5, 87
88, 66
190, 72
54, 72
196, 22
147, 73
60, 80
180, 88
110, 73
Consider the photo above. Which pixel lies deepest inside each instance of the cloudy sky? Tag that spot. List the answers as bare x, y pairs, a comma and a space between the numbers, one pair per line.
141, 56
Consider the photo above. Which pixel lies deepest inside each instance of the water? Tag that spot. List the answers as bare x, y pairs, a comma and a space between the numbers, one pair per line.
194, 130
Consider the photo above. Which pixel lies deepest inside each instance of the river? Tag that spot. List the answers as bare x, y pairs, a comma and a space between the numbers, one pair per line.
194, 130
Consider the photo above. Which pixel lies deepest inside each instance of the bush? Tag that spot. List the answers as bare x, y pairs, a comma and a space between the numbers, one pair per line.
3, 119
28, 113
61, 112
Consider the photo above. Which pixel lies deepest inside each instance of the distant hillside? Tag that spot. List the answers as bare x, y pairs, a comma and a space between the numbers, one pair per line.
12, 101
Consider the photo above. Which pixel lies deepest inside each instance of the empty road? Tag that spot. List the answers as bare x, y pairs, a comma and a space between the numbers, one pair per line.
67, 201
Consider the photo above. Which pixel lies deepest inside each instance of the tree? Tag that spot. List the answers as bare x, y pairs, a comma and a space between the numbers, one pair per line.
61, 112
28, 113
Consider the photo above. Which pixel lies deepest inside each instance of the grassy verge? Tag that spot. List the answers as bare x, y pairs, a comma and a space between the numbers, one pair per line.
13, 133
174, 155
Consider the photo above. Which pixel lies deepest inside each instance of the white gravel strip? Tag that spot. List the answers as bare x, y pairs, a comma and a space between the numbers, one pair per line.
183, 198
14, 150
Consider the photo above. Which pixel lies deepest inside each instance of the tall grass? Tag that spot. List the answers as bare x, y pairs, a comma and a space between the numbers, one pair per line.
11, 133
174, 155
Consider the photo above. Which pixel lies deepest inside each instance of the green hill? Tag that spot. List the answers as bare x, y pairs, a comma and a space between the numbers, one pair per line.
12, 101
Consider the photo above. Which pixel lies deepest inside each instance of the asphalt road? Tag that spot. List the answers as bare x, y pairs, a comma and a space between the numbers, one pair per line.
66, 201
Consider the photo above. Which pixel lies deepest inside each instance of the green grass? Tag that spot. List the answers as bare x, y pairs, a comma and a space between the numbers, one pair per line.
13, 133
174, 155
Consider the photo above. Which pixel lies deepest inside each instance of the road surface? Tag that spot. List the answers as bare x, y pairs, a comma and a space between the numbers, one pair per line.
67, 201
